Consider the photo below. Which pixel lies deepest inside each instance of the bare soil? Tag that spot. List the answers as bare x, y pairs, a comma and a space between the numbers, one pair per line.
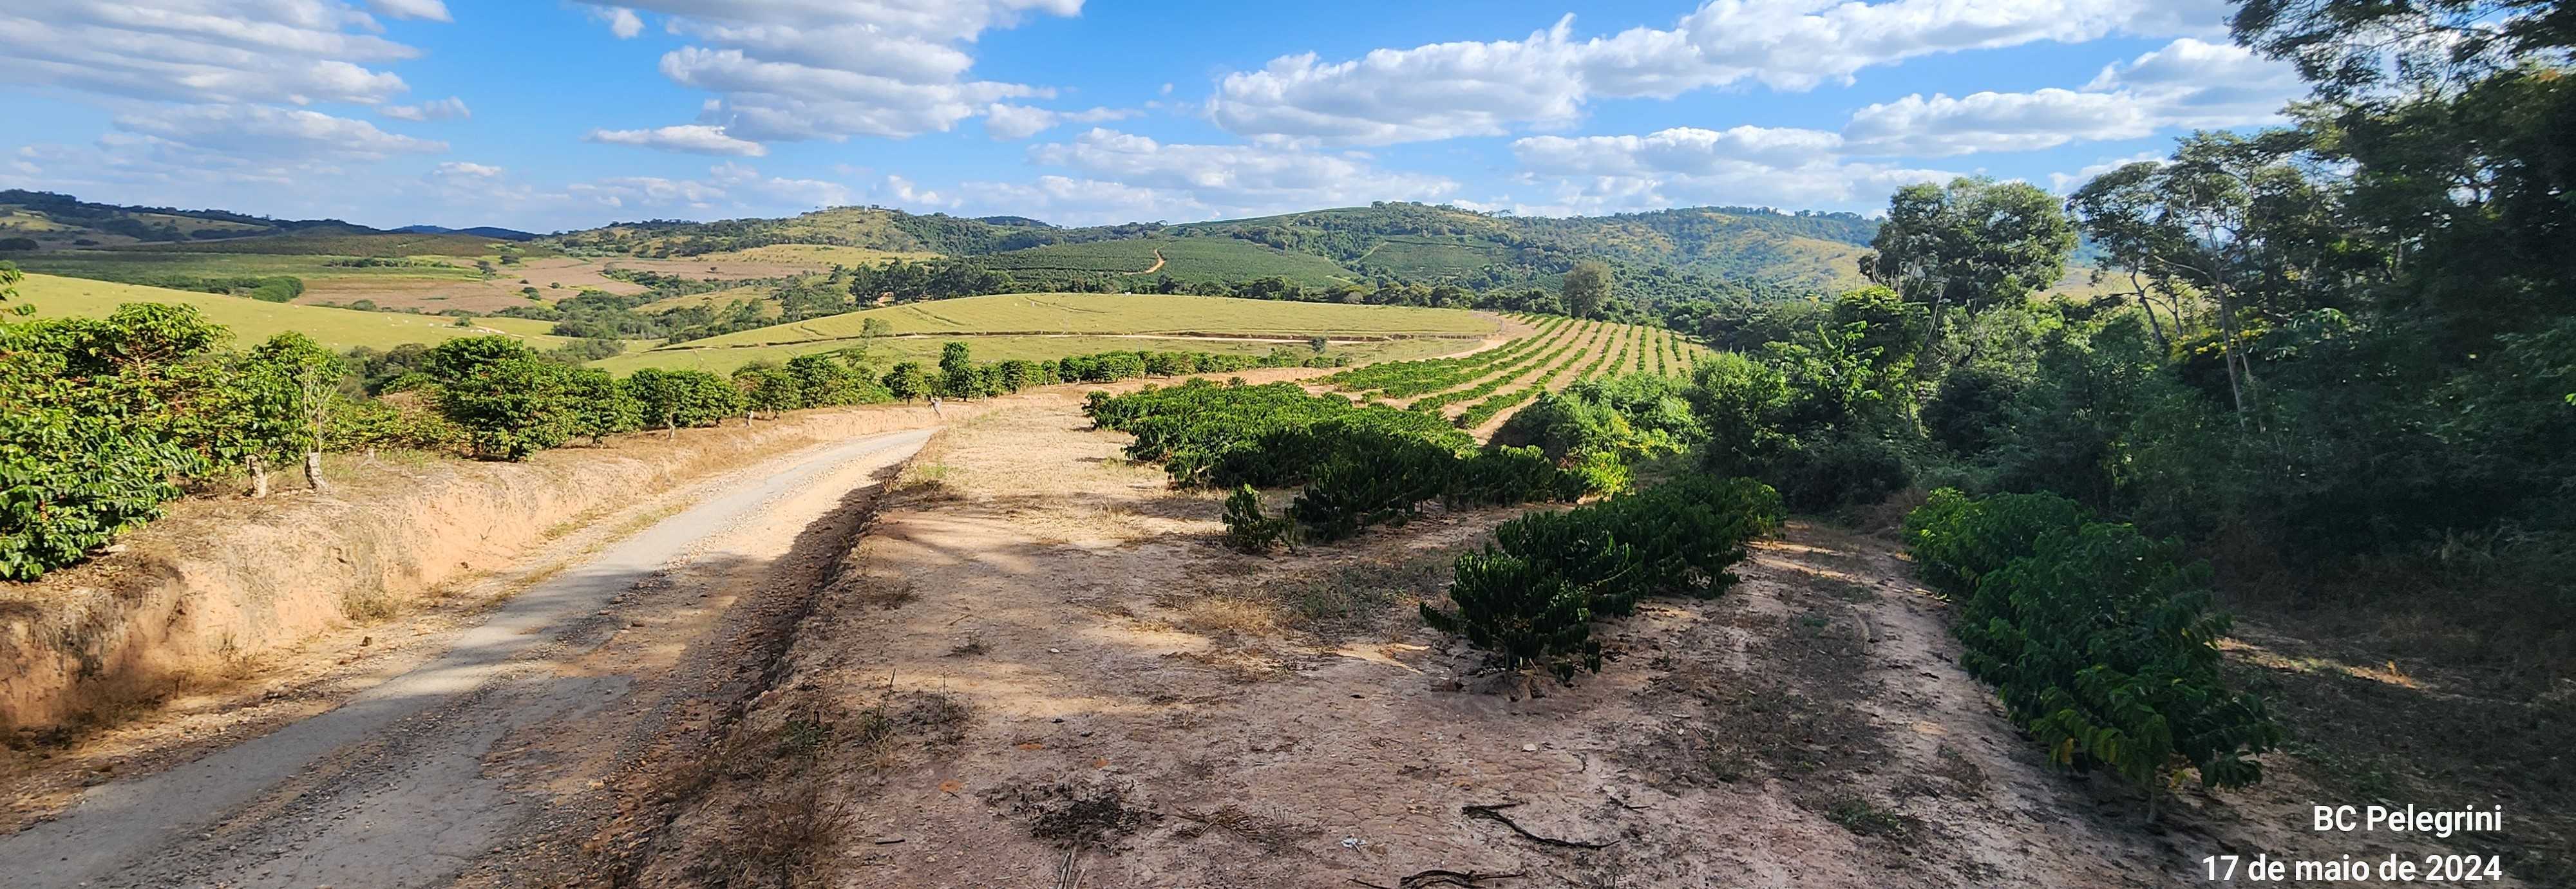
1040, 668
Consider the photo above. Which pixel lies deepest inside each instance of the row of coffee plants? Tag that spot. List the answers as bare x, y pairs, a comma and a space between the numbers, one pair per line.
1359, 465
1481, 411
1531, 595
1399, 379
2100, 640
959, 376
1501, 377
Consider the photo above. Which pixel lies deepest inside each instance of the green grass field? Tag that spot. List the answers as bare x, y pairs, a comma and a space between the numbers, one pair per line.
1116, 313
381, 246
1185, 259
1005, 347
112, 265
252, 320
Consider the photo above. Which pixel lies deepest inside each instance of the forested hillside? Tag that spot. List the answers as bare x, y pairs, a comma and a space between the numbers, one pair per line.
1664, 256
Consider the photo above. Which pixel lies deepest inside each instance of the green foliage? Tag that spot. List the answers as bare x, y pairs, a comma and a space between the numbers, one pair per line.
1586, 289
1248, 530
1528, 616
601, 406
672, 399
99, 422
768, 387
1359, 465
908, 381
1632, 417
362, 424
1956, 540
2099, 640
1972, 243
510, 405
1530, 595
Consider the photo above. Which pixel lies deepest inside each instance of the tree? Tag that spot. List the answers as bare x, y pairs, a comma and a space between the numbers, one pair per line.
2229, 216
909, 381
1586, 289
956, 371
875, 327
1972, 243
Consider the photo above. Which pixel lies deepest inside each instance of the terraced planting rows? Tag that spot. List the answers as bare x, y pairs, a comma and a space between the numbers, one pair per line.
1492, 383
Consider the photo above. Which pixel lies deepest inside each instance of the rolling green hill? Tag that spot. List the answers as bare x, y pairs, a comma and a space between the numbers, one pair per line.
378, 245
1183, 259
1751, 251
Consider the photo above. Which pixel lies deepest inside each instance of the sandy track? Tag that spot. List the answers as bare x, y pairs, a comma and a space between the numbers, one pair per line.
409, 781
1039, 664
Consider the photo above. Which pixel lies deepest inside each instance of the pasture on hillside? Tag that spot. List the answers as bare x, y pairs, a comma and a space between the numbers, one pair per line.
1186, 260
252, 320
926, 348
1124, 313
1054, 325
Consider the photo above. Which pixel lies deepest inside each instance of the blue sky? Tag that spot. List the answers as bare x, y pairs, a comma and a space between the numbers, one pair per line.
553, 114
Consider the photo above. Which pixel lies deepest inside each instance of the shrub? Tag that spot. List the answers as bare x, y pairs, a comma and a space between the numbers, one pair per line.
1830, 470
2098, 639
1247, 530
70, 482
602, 407
2102, 644
512, 407
1680, 538
1522, 612
675, 398
1956, 541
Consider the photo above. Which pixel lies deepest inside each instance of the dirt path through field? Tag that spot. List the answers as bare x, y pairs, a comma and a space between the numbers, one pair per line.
1039, 668
409, 781
1158, 263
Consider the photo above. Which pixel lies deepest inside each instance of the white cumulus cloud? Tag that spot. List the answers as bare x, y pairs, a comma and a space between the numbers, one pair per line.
449, 108
787, 70
691, 138
1444, 90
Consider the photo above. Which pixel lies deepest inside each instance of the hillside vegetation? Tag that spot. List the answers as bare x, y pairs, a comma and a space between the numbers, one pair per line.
252, 320
1186, 260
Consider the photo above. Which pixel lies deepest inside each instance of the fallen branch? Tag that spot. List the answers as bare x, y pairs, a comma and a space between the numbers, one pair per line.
1430, 879
1495, 812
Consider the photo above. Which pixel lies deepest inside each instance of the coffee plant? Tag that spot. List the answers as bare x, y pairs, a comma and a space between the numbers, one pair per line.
2099, 640
1526, 615
1674, 539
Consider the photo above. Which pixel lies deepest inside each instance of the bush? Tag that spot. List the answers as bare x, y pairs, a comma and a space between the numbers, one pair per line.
1522, 612
1957, 541
1826, 471
70, 482
1247, 530
602, 407
512, 407
1675, 539
675, 398
2102, 644
2098, 639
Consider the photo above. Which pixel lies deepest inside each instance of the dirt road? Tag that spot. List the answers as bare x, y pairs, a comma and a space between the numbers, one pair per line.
408, 782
